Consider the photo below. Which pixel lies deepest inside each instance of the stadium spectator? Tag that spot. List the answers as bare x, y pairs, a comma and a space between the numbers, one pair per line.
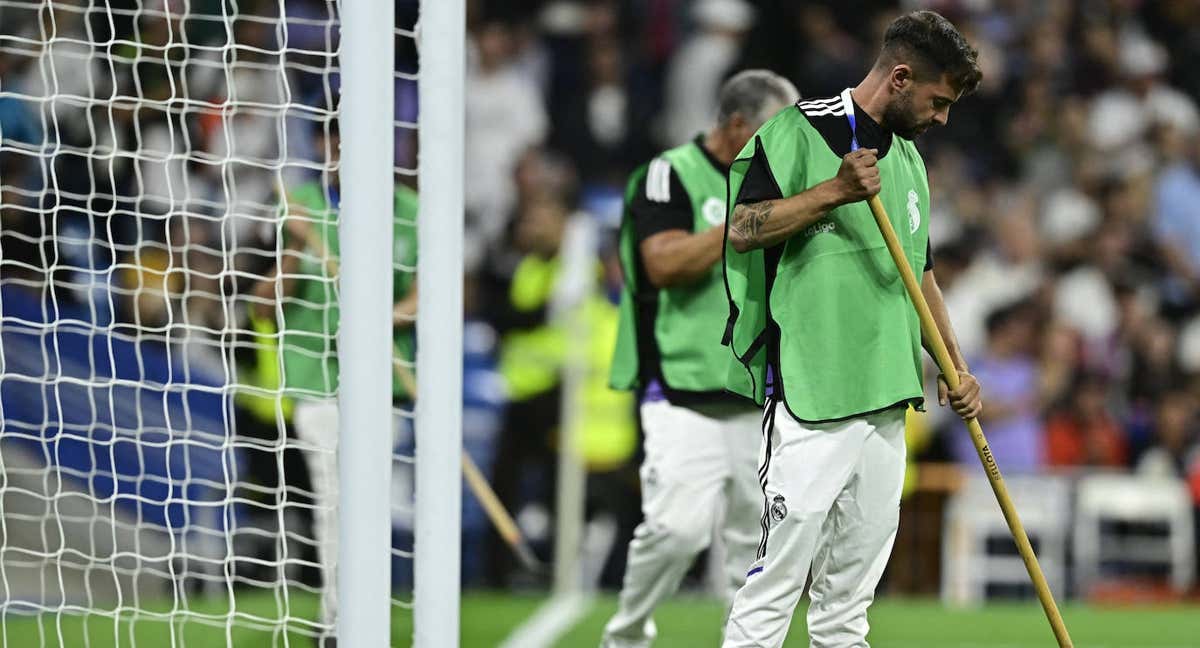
1008, 269
1010, 370
832, 55
1123, 115
700, 65
603, 128
505, 116
1059, 357
533, 348
1175, 452
1085, 432
1176, 228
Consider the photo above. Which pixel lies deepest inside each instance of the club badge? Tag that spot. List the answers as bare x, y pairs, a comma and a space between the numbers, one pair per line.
914, 212
778, 508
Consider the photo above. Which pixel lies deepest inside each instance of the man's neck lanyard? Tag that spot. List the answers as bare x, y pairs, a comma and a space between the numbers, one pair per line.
848, 105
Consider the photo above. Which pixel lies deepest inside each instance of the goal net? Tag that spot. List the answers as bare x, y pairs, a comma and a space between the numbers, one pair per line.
169, 295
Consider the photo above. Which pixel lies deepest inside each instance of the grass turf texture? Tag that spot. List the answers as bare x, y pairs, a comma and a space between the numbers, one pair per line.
683, 623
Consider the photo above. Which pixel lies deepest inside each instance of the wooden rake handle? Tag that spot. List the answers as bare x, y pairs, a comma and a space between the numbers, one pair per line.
505, 525
492, 506
941, 354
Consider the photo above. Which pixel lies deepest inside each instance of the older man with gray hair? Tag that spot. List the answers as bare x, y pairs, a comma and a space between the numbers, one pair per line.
701, 444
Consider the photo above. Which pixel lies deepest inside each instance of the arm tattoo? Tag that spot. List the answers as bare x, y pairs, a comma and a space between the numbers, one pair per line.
748, 220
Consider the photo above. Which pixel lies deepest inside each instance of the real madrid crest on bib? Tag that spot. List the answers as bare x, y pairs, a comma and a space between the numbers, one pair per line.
914, 212
778, 508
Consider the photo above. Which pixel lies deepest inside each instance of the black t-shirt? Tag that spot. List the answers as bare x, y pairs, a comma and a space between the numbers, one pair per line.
759, 185
660, 204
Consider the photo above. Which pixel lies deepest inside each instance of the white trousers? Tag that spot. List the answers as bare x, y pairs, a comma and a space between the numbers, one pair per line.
316, 423
695, 466
830, 509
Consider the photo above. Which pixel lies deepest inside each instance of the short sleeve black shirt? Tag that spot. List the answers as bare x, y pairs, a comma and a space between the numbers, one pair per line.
661, 203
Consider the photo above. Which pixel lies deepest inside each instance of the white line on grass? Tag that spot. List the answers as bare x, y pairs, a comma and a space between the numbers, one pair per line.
551, 621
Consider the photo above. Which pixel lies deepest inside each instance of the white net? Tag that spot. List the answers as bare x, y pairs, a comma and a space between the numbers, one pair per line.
168, 292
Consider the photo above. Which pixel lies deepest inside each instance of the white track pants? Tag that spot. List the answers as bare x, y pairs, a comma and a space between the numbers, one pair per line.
695, 466
831, 502
316, 423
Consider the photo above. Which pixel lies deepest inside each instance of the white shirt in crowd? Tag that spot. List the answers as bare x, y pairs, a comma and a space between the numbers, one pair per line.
504, 117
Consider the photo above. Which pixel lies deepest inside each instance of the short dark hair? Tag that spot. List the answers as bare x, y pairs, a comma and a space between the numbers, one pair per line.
748, 93
1002, 315
932, 46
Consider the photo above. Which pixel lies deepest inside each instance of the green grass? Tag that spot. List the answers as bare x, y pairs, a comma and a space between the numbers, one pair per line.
898, 623
152, 625
683, 623
262, 622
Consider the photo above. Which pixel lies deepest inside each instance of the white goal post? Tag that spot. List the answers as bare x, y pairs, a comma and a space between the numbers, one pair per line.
442, 42
365, 331
214, 271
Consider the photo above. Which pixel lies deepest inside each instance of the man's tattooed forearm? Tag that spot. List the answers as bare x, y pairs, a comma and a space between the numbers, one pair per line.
748, 219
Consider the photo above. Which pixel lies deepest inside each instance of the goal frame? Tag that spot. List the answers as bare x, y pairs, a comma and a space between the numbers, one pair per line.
364, 347
438, 488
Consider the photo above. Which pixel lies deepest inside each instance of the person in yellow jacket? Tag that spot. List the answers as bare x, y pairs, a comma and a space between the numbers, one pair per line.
533, 353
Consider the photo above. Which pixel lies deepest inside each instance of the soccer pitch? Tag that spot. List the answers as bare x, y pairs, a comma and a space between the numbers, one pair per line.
487, 618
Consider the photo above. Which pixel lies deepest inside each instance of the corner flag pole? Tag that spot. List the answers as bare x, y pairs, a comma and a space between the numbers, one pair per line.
933, 337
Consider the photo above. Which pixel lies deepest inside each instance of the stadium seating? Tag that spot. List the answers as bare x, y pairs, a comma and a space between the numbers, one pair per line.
979, 559
1128, 526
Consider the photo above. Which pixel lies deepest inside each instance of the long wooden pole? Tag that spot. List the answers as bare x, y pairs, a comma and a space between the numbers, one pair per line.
504, 523
933, 338
492, 506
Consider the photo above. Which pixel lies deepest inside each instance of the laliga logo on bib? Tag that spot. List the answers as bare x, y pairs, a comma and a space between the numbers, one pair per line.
713, 211
914, 213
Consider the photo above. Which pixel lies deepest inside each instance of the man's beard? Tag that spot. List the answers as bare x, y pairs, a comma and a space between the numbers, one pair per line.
898, 117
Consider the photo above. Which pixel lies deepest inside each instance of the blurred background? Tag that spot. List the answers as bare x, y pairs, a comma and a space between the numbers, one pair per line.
1066, 233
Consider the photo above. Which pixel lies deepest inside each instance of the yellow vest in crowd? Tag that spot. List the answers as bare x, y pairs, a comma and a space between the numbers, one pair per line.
532, 361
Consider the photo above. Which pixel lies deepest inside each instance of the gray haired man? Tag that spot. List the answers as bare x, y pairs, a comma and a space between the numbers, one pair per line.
701, 443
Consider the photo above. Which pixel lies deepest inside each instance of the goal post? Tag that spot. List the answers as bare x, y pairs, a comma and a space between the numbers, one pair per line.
365, 331
209, 260
437, 545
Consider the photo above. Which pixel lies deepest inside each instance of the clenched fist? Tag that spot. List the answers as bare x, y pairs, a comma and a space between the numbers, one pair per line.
858, 176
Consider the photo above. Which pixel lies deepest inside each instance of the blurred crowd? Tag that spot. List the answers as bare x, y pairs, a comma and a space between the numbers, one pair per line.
1066, 191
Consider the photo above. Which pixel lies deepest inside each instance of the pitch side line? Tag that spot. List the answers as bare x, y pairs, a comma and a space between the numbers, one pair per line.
551, 621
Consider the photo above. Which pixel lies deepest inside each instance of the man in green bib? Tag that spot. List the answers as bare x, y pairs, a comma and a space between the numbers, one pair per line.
824, 335
700, 442
302, 293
